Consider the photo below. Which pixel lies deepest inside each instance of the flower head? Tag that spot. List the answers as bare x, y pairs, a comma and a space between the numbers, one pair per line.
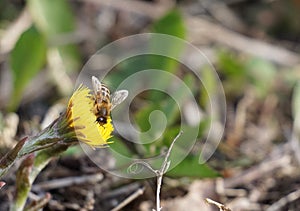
84, 121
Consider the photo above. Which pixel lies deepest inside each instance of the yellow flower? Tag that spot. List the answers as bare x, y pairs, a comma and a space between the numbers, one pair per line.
83, 120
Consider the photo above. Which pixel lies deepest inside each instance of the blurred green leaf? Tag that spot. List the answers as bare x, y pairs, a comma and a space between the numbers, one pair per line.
190, 167
55, 19
296, 106
172, 24
169, 107
187, 167
187, 143
127, 68
52, 17
119, 146
210, 85
240, 73
26, 60
121, 153
152, 128
73, 151
230, 64
234, 72
142, 116
187, 131
262, 75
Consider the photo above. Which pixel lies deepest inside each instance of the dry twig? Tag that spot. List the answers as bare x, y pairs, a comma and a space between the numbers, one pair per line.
121, 191
258, 171
133, 196
219, 205
39, 204
200, 28
278, 205
159, 173
68, 181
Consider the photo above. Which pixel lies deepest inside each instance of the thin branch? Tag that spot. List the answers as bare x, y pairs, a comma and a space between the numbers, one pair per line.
165, 165
133, 196
279, 204
137, 7
256, 172
164, 168
200, 29
68, 181
159, 173
131, 169
131, 187
39, 204
217, 204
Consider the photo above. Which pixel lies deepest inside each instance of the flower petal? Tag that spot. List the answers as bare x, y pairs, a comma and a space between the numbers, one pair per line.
87, 129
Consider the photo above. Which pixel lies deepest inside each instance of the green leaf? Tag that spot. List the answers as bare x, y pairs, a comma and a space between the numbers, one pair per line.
119, 146
234, 73
210, 85
262, 75
73, 151
190, 167
142, 116
169, 107
55, 19
230, 64
52, 17
26, 60
121, 153
172, 24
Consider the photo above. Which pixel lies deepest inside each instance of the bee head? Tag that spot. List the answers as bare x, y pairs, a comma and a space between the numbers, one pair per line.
101, 120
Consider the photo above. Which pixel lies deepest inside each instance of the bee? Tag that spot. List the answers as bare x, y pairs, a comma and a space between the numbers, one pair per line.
104, 102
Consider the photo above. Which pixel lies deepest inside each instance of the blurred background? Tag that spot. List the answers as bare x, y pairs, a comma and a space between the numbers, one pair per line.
254, 46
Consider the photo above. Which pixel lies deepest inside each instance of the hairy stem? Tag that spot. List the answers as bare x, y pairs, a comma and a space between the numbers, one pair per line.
58, 131
29, 170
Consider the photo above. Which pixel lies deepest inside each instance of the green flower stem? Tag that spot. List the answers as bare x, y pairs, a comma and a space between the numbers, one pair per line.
45, 139
58, 132
26, 177
23, 182
49, 143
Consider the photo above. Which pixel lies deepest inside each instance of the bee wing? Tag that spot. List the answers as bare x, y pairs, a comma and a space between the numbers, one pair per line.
118, 97
96, 85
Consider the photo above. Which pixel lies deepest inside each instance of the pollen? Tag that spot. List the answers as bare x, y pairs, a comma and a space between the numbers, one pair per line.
83, 120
